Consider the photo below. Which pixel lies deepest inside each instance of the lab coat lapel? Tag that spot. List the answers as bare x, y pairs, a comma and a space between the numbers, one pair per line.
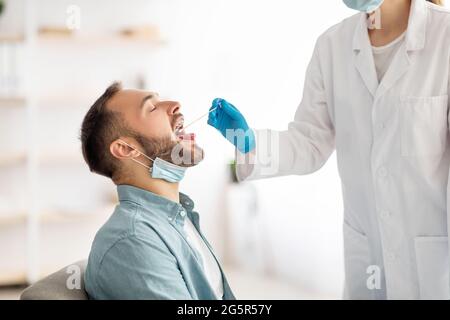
399, 65
363, 56
414, 40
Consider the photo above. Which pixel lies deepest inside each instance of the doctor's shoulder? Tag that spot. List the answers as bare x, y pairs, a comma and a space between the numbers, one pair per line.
437, 8
438, 28
340, 31
438, 16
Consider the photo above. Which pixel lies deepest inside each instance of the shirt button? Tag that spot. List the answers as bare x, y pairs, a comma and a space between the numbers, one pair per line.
183, 213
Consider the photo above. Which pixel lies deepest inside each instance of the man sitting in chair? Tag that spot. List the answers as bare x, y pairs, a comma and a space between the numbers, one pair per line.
151, 247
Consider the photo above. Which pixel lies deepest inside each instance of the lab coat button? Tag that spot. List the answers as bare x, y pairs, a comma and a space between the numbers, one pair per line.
382, 172
391, 256
385, 214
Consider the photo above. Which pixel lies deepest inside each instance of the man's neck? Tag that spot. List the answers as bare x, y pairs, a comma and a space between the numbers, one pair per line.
159, 187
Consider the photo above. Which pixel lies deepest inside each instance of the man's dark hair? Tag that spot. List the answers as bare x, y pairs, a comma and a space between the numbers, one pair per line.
99, 129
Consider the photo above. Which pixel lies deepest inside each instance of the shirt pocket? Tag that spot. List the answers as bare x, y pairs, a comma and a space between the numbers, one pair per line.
423, 125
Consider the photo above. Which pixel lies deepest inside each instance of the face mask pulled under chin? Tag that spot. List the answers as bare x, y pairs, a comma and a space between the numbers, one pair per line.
167, 171
161, 169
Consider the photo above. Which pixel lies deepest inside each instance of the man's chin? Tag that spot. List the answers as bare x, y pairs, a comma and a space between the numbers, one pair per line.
197, 155
200, 157
187, 154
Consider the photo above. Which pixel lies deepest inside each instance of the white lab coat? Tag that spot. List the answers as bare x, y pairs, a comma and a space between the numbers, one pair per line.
392, 147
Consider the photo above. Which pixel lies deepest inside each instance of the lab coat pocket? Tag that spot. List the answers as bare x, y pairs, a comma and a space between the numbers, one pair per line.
432, 267
424, 125
356, 262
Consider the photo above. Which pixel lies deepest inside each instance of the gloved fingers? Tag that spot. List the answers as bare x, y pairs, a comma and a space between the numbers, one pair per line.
231, 110
212, 120
216, 103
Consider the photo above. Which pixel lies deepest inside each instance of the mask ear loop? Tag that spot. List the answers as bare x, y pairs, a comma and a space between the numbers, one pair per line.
137, 161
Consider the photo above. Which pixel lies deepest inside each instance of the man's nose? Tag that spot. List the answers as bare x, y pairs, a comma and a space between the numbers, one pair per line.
173, 107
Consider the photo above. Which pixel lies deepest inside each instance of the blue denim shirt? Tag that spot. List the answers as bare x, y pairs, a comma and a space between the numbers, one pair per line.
141, 252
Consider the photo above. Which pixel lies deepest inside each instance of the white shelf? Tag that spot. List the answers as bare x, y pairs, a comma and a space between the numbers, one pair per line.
8, 219
12, 101
61, 158
12, 38
12, 159
12, 277
99, 40
52, 216
57, 215
44, 159
67, 101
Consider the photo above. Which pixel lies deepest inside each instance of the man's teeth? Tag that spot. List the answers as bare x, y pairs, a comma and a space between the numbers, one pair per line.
178, 127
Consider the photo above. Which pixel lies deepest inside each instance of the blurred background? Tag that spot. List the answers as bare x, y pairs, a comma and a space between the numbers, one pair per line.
278, 238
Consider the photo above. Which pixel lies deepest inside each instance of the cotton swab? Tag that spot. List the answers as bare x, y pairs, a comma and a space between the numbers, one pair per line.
199, 118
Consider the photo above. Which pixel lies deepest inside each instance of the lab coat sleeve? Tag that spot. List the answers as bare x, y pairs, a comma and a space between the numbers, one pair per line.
137, 268
307, 143
448, 177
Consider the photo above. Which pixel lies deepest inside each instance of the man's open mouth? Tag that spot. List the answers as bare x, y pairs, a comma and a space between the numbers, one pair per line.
178, 126
179, 130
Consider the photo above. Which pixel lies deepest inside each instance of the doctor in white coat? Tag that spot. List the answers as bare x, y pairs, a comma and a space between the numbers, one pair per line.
380, 98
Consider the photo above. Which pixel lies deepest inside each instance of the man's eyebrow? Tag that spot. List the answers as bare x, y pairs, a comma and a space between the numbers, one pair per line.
150, 96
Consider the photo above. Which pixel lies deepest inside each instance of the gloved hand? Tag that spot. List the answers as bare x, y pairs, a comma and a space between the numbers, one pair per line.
232, 125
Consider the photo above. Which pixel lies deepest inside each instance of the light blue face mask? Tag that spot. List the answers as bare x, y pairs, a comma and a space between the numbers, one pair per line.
167, 171
161, 169
364, 5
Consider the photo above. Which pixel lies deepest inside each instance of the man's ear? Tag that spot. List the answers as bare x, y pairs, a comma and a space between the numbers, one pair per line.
121, 150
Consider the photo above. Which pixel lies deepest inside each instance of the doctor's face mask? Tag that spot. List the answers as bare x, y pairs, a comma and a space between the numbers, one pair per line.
364, 5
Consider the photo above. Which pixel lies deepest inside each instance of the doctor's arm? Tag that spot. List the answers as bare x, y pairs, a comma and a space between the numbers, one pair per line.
137, 268
448, 177
301, 149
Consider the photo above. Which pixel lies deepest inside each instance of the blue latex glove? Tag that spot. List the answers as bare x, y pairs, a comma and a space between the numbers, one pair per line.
232, 125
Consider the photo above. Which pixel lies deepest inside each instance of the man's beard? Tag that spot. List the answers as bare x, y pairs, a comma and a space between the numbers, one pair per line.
184, 154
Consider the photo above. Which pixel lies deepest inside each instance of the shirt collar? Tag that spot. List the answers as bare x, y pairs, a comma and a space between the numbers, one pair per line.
175, 212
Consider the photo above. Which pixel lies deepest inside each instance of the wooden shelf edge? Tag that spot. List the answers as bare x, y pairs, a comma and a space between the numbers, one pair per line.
12, 38
55, 215
9, 278
12, 101
43, 159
